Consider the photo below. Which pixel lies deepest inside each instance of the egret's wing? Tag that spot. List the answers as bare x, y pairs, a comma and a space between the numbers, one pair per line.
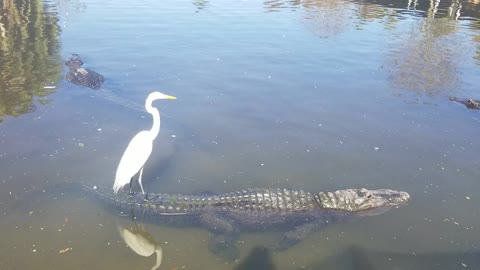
137, 153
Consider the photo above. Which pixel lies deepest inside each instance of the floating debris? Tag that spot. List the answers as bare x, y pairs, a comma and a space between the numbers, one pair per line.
65, 250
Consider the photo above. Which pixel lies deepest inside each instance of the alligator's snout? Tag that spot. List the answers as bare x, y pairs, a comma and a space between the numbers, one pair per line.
402, 197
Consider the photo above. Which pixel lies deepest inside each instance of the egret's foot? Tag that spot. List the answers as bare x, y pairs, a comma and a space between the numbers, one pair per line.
224, 246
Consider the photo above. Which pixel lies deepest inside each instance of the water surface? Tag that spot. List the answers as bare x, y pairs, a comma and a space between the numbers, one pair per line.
313, 95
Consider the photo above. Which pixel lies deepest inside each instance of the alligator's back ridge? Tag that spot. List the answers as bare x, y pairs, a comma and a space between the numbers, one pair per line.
247, 200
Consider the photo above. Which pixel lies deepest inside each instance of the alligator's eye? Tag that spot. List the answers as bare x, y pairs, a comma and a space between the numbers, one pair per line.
369, 196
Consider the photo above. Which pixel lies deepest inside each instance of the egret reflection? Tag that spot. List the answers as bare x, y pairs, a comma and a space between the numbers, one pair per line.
141, 242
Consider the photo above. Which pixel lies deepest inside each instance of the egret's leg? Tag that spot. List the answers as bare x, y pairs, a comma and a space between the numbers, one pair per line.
140, 180
131, 181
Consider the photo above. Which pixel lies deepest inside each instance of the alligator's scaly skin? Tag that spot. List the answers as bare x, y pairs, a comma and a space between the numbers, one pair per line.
82, 76
470, 103
295, 211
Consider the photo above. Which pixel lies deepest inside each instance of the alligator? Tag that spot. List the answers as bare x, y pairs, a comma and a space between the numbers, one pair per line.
82, 76
296, 212
470, 103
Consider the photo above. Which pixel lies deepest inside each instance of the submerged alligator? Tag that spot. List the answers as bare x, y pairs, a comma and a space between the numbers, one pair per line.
82, 76
91, 79
470, 103
297, 212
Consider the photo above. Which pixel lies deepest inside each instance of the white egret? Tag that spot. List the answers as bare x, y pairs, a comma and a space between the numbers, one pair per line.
140, 147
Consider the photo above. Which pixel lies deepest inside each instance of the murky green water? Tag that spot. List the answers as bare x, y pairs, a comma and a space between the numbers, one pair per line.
313, 95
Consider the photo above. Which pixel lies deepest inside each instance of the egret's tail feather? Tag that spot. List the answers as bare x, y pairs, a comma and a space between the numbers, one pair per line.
117, 185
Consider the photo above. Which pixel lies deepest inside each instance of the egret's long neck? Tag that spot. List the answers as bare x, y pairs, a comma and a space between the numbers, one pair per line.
156, 119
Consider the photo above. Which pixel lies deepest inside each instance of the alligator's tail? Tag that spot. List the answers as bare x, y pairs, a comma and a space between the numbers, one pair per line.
119, 100
120, 201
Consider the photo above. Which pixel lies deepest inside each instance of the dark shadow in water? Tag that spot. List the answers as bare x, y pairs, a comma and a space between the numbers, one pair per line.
259, 258
29, 55
356, 258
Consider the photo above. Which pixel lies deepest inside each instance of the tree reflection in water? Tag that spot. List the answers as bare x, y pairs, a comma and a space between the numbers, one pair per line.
427, 61
29, 55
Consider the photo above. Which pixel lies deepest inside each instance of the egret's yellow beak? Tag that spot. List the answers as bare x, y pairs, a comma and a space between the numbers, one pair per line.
171, 97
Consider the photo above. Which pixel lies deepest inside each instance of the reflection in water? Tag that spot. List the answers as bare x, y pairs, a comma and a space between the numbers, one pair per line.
426, 62
454, 9
141, 242
323, 17
29, 53
69, 7
278, 5
328, 17
477, 40
368, 12
331, 17
200, 4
